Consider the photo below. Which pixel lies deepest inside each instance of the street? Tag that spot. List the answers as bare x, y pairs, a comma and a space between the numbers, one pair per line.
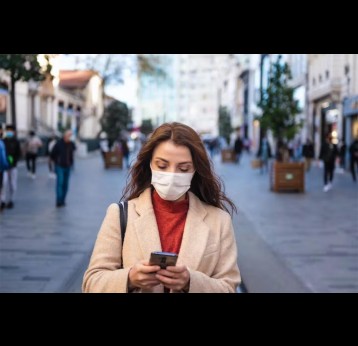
287, 242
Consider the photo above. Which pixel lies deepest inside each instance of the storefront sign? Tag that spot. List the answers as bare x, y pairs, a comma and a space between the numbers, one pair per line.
350, 106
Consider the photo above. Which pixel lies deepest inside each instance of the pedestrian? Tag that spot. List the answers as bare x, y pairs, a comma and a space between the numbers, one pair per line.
264, 154
308, 153
4, 164
238, 148
353, 153
33, 144
103, 144
213, 143
328, 155
51, 164
13, 152
125, 151
63, 156
175, 204
342, 155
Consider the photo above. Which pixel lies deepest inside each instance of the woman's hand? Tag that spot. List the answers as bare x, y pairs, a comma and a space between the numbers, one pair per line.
176, 278
142, 275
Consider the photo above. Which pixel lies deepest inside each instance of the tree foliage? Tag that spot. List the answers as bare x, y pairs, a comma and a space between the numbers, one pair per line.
24, 66
116, 119
225, 128
279, 108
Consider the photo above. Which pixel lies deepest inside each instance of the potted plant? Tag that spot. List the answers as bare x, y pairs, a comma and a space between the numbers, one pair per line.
279, 115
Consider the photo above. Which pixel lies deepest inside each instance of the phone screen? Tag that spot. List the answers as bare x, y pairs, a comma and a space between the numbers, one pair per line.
163, 259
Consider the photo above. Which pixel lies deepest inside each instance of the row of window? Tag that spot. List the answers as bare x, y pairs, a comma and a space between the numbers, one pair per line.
346, 72
320, 79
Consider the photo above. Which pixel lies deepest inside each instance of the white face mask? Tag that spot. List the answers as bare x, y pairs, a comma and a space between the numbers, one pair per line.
171, 186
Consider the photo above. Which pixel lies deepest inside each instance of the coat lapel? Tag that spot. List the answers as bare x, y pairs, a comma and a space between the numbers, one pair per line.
146, 226
195, 236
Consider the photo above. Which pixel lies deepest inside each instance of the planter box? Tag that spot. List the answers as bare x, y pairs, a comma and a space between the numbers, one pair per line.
256, 163
288, 176
228, 155
113, 159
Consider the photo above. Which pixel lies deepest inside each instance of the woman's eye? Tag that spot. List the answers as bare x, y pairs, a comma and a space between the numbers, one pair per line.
162, 167
184, 170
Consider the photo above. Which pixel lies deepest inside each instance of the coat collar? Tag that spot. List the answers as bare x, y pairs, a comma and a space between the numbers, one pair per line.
195, 235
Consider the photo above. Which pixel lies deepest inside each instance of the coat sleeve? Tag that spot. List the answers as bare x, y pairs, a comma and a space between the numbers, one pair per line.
54, 152
103, 274
226, 276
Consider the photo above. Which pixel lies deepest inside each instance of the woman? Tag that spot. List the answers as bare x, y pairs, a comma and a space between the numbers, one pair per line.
175, 205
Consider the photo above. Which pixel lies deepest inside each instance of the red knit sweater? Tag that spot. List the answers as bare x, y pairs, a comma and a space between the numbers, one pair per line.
171, 218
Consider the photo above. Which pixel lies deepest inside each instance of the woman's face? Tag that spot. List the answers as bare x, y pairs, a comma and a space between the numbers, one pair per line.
168, 157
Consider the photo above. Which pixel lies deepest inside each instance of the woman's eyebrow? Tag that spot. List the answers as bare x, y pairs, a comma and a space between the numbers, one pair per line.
160, 158
180, 163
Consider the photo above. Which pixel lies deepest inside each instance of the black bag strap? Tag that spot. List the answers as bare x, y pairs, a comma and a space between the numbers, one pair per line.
123, 213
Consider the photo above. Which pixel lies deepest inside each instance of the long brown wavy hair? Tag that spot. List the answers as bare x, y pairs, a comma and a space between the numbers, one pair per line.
206, 185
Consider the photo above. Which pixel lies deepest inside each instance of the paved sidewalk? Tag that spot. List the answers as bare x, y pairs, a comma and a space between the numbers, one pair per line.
44, 248
291, 242
288, 242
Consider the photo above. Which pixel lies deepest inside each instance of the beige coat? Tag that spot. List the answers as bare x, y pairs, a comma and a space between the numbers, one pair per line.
208, 248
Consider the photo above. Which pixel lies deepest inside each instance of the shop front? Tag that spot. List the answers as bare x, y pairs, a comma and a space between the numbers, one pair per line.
350, 113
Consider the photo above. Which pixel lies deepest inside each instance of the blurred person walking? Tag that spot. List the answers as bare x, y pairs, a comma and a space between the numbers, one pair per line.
342, 156
353, 151
13, 152
33, 144
125, 151
63, 156
51, 164
238, 146
175, 204
264, 154
308, 153
328, 155
103, 144
4, 164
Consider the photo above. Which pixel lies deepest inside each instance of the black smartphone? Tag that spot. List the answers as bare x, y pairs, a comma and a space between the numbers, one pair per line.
163, 259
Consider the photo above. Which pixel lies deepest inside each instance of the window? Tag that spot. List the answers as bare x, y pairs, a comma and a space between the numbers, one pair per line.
314, 81
320, 78
327, 74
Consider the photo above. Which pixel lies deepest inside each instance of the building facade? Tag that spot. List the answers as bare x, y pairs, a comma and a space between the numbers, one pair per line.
64, 100
331, 77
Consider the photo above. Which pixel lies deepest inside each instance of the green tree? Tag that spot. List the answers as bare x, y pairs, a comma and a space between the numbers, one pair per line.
116, 119
279, 108
225, 128
22, 67
147, 126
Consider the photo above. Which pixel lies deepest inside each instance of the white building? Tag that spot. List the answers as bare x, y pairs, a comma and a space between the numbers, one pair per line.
248, 83
188, 93
331, 77
199, 77
157, 92
82, 117
298, 66
229, 91
64, 100
35, 101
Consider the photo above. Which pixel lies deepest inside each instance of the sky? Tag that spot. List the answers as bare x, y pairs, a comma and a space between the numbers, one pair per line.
125, 92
